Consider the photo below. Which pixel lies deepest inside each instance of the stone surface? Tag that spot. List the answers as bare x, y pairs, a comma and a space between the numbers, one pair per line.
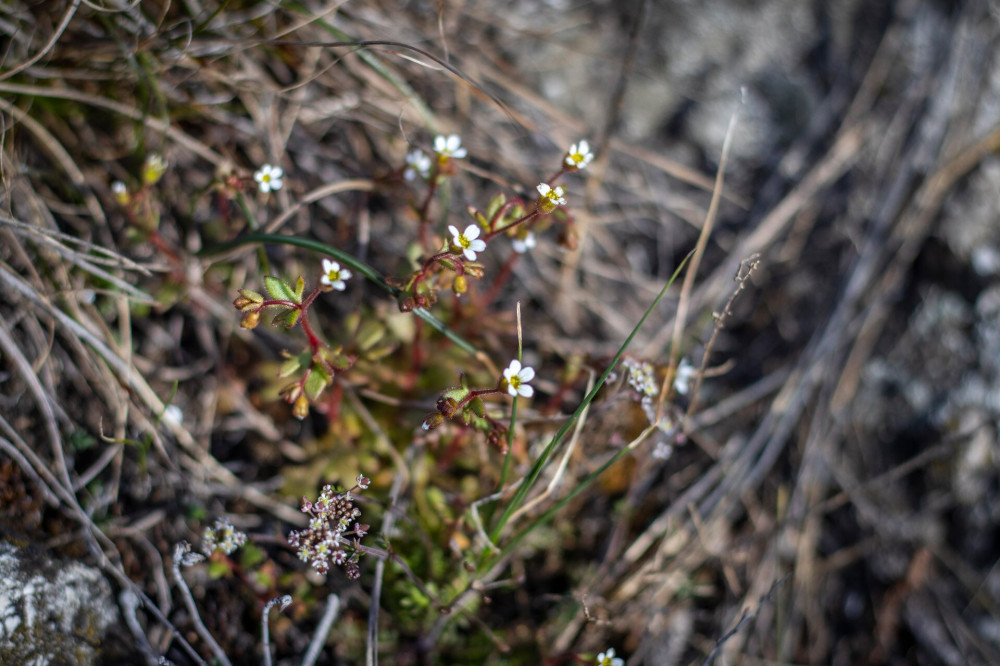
51, 612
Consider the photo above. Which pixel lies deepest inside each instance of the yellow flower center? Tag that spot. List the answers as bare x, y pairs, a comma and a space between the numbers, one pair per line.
515, 382
464, 242
333, 275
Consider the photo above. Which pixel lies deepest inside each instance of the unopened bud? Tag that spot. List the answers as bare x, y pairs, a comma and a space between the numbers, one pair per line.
250, 320
120, 191
460, 285
474, 269
447, 407
301, 408
248, 300
432, 421
407, 305
153, 169
569, 238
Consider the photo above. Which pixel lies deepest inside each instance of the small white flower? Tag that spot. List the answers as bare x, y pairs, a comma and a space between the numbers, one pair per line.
269, 178
363, 481
449, 146
119, 189
333, 275
579, 155
417, 164
608, 658
663, 450
517, 379
173, 415
552, 194
522, 245
467, 240
684, 374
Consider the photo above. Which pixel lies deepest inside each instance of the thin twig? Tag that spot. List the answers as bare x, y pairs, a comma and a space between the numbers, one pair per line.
265, 627
322, 630
183, 555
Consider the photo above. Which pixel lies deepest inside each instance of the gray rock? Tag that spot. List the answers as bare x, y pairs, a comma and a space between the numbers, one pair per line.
51, 611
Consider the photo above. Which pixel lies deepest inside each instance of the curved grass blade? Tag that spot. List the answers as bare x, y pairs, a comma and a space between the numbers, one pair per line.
529, 481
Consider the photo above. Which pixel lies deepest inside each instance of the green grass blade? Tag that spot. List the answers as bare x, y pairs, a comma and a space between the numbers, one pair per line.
522, 491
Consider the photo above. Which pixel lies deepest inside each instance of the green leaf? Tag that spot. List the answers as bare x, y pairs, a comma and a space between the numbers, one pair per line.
281, 290
317, 380
372, 331
293, 364
300, 287
286, 318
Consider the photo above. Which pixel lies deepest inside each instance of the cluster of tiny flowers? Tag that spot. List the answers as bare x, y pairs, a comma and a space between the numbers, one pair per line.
326, 541
641, 377
608, 658
222, 536
269, 178
663, 450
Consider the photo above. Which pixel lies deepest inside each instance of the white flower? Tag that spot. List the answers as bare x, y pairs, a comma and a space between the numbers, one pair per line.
363, 481
173, 415
554, 195
333, 275
684, 374
467, 241
449, 146
579, 156
522, 245
609, 659
417, 164
517, 379
269, 178
663, 450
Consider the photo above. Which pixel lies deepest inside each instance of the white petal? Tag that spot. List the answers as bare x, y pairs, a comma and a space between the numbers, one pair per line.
330, 265
345, 274
440, 144
469, 253
526, 374
514, 367
511, 390
471, 232
525, 390
454, 143
477, 245
543, 189
453, 230
277, 172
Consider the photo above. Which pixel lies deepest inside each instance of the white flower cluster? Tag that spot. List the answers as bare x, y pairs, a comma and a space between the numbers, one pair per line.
222, 536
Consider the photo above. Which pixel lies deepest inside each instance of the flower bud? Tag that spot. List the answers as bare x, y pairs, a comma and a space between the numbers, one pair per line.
432, 421
474, 269
153, 169
460, 285
301, 408
248, 300
120, 191
407, 305
447, 407
250, 320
